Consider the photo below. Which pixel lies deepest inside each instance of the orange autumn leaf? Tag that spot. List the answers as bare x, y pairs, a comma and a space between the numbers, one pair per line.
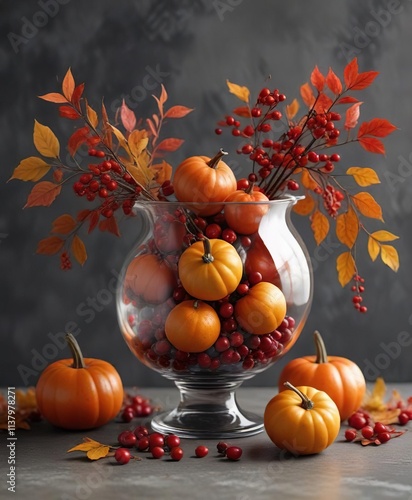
64, 224
242, 111
170, 145
127, 117
239, 91
390, 257
50, 245
350, 73
92, 116
308, 181
78, 250
317, 79
323, 103
345, 265
367, 205
348, 99
31, 169
68, 112
177, 112
68, 85
76, 139
320, 226
93, 449
98, 452
372, 145
43, 194
305, 206
54, 97
138, 142
364, 79
373, 248
121, 138
347, 227
110, 225
306, 93
45, 141
377, 127
161, 100
333, 82
364, 176
292, 109
163, 172
352, 116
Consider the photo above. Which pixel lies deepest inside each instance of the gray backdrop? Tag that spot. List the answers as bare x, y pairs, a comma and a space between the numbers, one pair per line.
194, 46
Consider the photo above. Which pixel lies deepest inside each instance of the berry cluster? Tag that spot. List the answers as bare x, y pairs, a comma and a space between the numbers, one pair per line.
136, 407
358, 288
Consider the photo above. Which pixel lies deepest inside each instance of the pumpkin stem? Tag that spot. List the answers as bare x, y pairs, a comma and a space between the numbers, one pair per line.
78, 360
307, 403
212, 163
249, 189
321, 355
207, 256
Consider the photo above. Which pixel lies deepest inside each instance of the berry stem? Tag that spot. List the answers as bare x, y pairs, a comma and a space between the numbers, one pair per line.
213, 162
78, 360
321, 355
307, 404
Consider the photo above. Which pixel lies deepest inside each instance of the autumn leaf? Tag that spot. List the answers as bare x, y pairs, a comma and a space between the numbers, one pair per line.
372, 145
350, 73
177, 112
162, 99
347, 99
68, 112
374, 401
320, 226
292, 109
94, 219
138, 142
377, 127
92, 116
162, 172
94, 450
363, 80
308, 181
45, 141
30, 169
76, 139
169, 145
306, 93
243, 111
305, 206
345, 265
323, 103
50, 245
390, 257
240, 92
58, 175
317, 79
43, 194
77, 94
98, 452
68, 85
110, 225
107, 139
152, 127
333, 82
63, 224
127, 117
364, 176
54, 97
78, 250
367, 205
383, 235
121, 138
373, 248
352, 116
347, 227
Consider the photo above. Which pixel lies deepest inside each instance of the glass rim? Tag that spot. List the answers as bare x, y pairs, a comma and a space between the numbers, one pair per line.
284, 199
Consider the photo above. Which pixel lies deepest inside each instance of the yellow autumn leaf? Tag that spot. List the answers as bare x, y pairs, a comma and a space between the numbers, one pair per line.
390, 257
240, 92
383, 235
364, 176
292, 109
88, 444
320, 226
347, 227
367, 205
68, 85
121, 139
137, 143
305, 206
92, 116
375, 401
79, 250
45, 141
345, 266
373, 248
162, 172
31, 169
98, 452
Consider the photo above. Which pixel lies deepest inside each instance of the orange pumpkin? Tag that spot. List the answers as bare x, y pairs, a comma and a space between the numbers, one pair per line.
339, 377
79, 393
202, 180
258, 259
210, 269
242, 218
262, 310
302, 420
149, 277
192, 326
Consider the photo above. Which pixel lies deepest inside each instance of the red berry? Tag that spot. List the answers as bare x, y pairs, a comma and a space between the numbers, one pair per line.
201, 451
252, 177
226, 310
403, 418
380, 428
230, 120
242, 289
176, 453
335, 157
127, 439
222, 344
248, 131
357, 421
122, 456
233, 452
143, 443
236, 132
128, 415
256, 112
222, 447
367, 432
172, 441
213, 231
157, 452
254, 278
103, 193
350, 434
156, 440
229, 235
384, 437
218, 131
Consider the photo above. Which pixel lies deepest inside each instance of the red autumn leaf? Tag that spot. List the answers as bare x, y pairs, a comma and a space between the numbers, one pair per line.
128, 117
43, 194
58, 175
68, 112
323, 103
377, 127
352, 116
242, 111
83, 214
347, 100
50, 245
94, 219
372, 145
177, 112
333, 82
68, 85
365, 79
170, 144
54, 97
306, 93
76, 139
350, 73
110, 225
317, 79
77, 94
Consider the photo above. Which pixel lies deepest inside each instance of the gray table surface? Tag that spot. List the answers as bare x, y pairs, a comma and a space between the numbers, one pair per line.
343, 471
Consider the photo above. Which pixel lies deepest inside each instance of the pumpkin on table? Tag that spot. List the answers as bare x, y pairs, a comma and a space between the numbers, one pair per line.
79, 393
339, 377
